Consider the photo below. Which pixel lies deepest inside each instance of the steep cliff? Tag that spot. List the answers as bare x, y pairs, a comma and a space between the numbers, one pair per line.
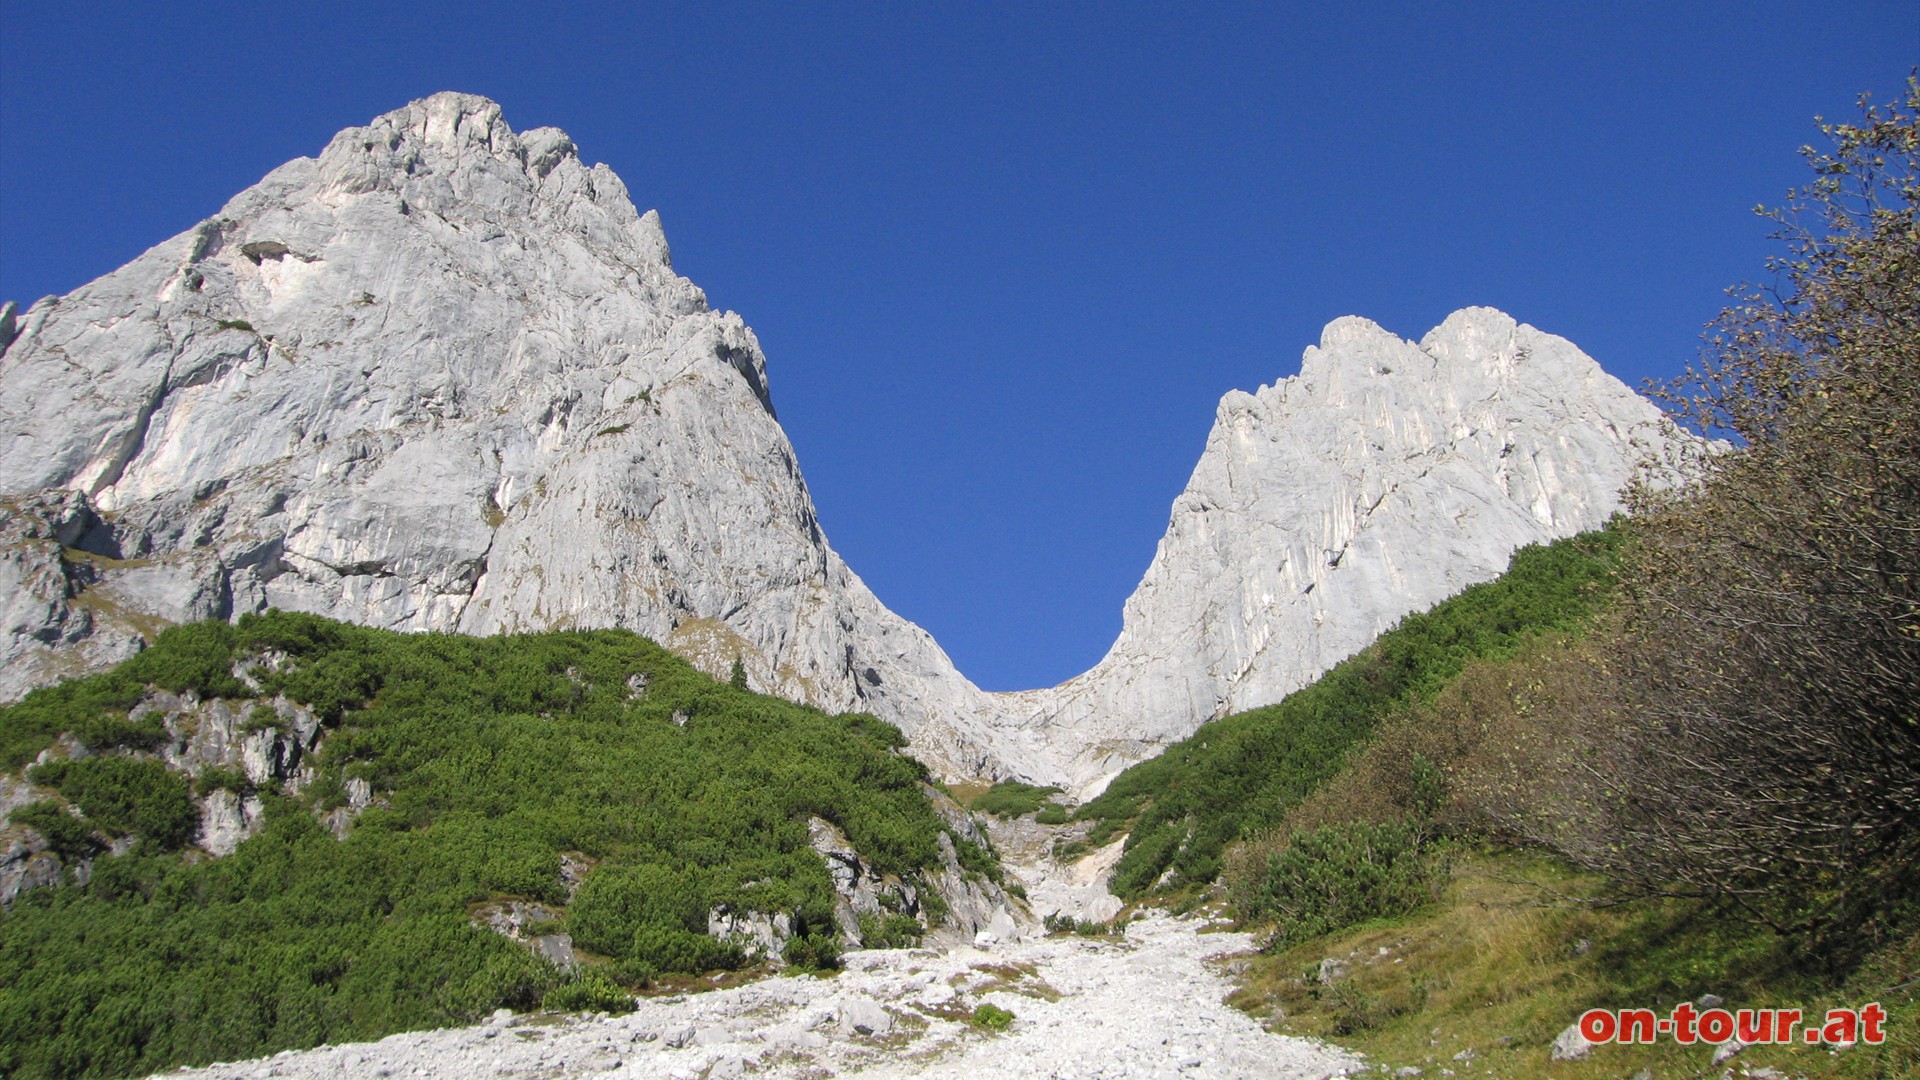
1382, 479
443, 377
440, 377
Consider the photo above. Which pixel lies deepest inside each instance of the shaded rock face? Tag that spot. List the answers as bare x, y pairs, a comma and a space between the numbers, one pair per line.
972, 902
442, 376
227, 819
1385, 477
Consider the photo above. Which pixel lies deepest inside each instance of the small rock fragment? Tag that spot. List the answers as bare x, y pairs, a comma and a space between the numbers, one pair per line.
864, 1016
1571, 1045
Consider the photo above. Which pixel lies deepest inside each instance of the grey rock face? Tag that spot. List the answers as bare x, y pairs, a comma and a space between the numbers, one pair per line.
443, 377
26, 863
973, 903
1385, 477
440, 377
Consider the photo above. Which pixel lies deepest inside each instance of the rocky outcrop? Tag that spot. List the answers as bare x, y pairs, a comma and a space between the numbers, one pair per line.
1385, 477
971, 903
49, 628
227, 818
858, 888
252, 746
26, 862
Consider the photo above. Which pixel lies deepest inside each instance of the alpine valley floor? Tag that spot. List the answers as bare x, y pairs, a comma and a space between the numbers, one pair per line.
1145, 1004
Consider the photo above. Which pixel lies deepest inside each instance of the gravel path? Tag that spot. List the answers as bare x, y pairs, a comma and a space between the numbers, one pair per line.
1148, 1006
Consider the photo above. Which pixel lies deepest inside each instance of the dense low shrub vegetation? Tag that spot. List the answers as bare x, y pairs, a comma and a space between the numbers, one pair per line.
890, 931
1243, 773
124, 796
488, 760
1337, 876
1762, 740
991, 1017
1012, 799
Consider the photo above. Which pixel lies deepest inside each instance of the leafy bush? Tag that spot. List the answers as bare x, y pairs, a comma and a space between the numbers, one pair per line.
125, 796
108, 732
1244, 772
1767, 725
191, 658
616, 901
215, 778
590, 991
976, 859
68, 836
670, 948
991, 1017
1053, 814
261, 718
891, 931
813, 952
634, 973
1493, 754
1338, 876
1012, 799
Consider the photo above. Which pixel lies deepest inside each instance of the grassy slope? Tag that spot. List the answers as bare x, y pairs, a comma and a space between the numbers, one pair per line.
1517, 944
1507, 958
1243, 772
495, 756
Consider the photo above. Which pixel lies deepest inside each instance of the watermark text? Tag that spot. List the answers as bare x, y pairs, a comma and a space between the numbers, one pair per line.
1687, 1024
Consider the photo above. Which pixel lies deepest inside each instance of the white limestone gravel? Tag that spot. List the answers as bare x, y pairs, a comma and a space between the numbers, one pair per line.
1146, 1006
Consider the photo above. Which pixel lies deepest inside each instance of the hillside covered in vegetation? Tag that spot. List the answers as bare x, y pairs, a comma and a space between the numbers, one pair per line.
594, 776
1243, 773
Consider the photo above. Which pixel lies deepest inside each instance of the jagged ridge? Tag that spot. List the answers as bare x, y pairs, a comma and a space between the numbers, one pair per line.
443, 376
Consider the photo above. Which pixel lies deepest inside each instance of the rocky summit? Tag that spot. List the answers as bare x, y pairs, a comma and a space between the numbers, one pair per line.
1385, 477
440, 377
443, 377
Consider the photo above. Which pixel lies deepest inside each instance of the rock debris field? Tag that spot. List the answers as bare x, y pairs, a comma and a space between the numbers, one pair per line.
1146, 1006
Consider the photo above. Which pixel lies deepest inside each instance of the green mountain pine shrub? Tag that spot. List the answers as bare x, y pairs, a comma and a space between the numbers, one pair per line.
1243, 773
488, 758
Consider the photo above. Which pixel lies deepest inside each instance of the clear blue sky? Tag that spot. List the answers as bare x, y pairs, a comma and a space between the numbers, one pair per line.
1005, 259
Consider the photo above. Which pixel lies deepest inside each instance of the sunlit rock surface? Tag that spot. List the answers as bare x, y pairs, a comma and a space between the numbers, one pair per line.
440, 377
443, 377
1385, 477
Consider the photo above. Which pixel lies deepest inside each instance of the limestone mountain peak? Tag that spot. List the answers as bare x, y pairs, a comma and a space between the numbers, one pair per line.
442, 376
1384, 477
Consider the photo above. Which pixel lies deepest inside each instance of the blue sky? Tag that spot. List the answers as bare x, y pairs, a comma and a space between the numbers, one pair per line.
1005, 259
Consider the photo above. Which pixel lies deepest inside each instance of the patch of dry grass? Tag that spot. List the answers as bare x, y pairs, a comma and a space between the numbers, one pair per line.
1482, 982
1014, 978
965, 791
